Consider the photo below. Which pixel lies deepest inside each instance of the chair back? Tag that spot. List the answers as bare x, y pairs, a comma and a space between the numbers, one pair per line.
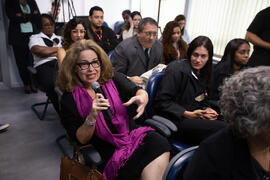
151, 89
178, 163
111, 55
117, 26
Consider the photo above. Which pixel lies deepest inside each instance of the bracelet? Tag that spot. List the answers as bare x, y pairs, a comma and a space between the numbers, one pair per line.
90, 123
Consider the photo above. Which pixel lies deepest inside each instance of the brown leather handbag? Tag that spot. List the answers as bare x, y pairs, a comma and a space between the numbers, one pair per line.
71, 169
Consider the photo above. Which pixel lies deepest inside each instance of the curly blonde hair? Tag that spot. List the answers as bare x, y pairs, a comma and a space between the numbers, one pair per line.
67, 77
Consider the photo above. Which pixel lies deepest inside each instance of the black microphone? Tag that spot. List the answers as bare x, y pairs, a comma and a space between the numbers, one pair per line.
97, 89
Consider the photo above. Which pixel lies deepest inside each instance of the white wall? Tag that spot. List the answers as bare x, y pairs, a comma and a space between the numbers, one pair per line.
112, 8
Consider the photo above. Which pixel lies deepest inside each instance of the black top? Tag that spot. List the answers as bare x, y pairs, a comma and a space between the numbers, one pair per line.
220, 71
15, 37
179, 90
153, 144
108, 40
223, 156
261, 27
71, 119
70, 116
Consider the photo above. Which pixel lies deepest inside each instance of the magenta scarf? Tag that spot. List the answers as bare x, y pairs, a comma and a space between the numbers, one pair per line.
125, 143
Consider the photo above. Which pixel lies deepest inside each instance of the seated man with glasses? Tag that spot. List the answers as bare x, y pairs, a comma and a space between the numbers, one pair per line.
140, 53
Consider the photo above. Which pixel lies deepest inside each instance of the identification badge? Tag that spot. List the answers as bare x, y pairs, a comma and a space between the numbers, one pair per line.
200, 97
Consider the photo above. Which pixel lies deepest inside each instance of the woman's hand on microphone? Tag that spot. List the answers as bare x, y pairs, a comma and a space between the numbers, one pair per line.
99, 104
141, 99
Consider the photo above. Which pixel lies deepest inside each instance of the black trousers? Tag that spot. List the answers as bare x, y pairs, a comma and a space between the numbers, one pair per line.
193, 131
23, 59
46, 76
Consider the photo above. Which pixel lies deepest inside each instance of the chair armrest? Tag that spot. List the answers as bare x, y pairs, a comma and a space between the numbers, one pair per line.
161, 128
91, 156
58, 91
32, 70
166, 122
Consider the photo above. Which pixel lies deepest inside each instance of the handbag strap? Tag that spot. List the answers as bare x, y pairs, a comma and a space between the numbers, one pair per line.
75, 157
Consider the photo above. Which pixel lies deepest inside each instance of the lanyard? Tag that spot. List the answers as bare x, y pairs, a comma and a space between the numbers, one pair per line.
99, 36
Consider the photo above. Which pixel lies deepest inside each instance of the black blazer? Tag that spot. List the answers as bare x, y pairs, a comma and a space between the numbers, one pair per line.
179, 90
222, 156
15, 37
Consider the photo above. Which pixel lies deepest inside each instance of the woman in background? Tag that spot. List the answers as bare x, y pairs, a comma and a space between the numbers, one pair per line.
24, 20
182, 94
131, 28
235, 57
181, 20
75, 30
174, 47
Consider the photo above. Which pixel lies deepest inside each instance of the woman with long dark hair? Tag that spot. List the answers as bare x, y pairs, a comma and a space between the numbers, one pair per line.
182, 94
181, 20
75, 30
130, 29
174, 47
234, 59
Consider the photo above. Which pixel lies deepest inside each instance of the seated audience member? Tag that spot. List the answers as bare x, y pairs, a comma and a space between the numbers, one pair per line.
235, 57
126, 16
142, 52
44, 47
181, 20
75, 30
128, 151
241, 151
174, 47
182, 94
102, 35
131, 28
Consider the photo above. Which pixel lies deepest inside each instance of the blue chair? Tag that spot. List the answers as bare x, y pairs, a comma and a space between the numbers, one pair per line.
105, 24
175, 169
117, 27
111, 55
151, 89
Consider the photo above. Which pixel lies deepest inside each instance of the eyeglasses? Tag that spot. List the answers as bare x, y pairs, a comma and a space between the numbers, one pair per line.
148, 34
86, 65
76, 31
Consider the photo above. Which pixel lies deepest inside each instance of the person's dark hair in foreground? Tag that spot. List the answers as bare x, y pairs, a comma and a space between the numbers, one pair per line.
242, 150
128, 151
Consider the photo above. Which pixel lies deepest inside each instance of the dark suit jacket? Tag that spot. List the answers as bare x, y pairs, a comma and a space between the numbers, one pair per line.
222, 156
15, 37
129, 57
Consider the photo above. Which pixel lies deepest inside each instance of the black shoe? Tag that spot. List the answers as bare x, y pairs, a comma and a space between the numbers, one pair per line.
34, 89
27, 89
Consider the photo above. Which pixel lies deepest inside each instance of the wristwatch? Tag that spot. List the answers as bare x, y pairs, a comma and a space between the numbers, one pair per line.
90, 123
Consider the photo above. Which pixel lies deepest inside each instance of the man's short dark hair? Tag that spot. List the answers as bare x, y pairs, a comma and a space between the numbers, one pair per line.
47, 16
145, 21
95, 8
126, 12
